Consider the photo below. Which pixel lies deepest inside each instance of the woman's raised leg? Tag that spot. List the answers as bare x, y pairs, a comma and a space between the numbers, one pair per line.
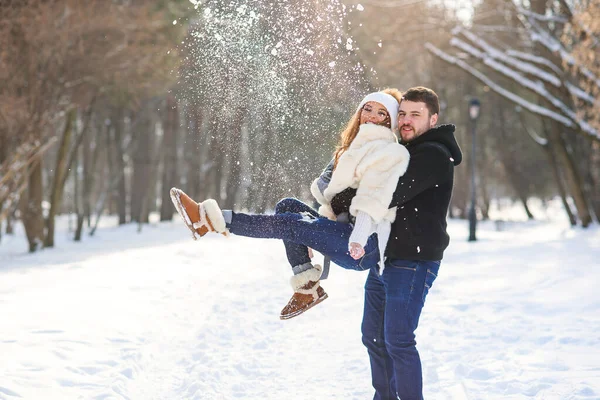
299, 230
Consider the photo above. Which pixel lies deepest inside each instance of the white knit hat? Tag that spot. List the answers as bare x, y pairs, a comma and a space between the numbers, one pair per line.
386, 100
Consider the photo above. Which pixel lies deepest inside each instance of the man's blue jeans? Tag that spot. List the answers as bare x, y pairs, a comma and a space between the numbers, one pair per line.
393, 304
393, 300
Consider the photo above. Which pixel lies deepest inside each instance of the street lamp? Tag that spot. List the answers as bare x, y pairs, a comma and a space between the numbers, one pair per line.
474, 107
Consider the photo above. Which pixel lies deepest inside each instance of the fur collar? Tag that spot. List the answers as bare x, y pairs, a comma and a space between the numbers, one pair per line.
369, 132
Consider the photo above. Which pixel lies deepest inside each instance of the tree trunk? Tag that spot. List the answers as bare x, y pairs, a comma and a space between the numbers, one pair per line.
143, 163
31, 207
60, 172
118, 122
595, 176
259, 139
78, 200
169, 177
91, 155
10, 222
530, 215
484, 203
509, 159
589, 165
110, 164
219, 174
100, 204
149, 195
548, 148
234, 150
555, 132
211, 184
562, 191
193, 150
572, 177
3, 150
269, 190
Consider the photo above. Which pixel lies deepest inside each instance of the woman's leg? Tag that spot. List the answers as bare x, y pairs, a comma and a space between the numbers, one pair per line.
297, 254
304, 228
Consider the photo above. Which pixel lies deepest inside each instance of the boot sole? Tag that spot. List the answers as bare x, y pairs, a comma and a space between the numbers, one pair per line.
289, 316
174, 193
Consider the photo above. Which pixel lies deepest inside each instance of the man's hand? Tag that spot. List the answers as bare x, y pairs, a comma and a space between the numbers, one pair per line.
356, 250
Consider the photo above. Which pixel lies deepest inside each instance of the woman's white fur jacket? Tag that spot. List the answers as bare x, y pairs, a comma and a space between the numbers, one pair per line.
372, 164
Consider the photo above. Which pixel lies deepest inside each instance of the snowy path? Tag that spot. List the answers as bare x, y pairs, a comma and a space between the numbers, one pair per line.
158, 316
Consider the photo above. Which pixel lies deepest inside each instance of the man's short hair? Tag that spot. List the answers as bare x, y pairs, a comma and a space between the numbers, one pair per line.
424, 95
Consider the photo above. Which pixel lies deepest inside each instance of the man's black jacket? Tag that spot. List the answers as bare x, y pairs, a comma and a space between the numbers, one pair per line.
422, 197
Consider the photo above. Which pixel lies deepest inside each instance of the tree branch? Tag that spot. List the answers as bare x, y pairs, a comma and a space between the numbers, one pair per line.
542, 36
497, 54
534, 108
536, 87
543, 18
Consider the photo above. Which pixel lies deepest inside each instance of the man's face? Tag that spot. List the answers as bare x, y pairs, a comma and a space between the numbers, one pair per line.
414, 120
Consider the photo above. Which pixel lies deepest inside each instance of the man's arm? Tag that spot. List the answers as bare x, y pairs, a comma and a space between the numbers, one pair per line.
428, 167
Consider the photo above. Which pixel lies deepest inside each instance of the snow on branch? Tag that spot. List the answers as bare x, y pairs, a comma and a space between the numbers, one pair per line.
543, 18
536, 87
580, 93
497, 54
534, 108
495, 28
535, 59
540, 35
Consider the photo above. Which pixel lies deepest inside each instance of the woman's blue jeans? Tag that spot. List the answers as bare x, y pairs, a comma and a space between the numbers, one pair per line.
301, 227
393, 300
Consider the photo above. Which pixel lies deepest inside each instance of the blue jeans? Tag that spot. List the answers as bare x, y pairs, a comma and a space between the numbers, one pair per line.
393, 304
301, 227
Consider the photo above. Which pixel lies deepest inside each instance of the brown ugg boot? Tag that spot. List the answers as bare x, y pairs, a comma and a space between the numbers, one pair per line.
307, 293
200, 218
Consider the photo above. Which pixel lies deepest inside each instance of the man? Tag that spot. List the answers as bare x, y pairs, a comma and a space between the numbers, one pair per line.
394, 300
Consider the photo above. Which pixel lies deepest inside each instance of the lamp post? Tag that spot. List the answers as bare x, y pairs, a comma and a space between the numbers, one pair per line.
474, 107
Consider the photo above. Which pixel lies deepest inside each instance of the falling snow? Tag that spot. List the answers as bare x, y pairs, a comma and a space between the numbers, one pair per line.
231, 50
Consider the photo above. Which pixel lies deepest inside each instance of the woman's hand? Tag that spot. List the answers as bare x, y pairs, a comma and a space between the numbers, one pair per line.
356, 250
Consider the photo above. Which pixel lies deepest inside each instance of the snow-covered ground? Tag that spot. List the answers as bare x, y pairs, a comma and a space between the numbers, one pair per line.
155, 315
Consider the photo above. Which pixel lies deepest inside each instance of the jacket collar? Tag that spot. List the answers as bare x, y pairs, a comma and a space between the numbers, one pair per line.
442, 134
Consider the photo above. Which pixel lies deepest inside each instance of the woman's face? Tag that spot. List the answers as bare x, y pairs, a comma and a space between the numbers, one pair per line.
374, 113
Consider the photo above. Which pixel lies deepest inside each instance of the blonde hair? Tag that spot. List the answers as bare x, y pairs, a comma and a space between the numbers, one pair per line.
351, 129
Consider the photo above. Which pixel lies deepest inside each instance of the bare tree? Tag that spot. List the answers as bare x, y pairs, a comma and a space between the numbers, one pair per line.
56, 56
540, 74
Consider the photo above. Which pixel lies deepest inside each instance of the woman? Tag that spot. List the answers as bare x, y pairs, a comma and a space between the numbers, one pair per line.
368, 159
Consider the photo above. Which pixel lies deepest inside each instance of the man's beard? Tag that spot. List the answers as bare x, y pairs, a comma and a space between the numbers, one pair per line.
416, 133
